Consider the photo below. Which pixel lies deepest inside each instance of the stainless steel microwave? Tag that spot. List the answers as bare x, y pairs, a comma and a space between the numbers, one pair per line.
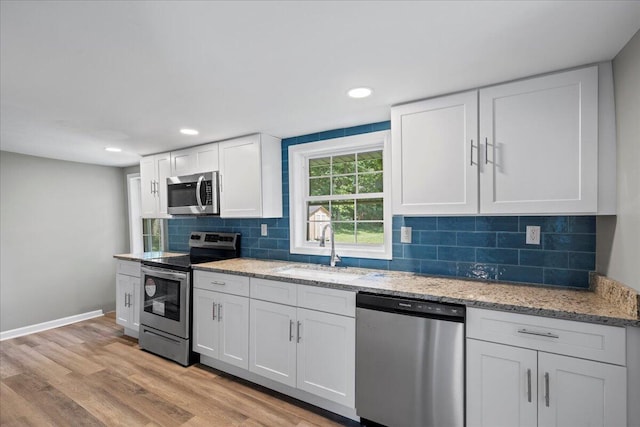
196, 194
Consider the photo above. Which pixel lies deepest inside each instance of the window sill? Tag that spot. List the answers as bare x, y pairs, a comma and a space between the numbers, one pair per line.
377, 253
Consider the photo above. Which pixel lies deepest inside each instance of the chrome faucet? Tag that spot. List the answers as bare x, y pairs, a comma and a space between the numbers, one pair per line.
334, 256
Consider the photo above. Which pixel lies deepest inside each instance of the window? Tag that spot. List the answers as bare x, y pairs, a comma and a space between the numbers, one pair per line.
153, 234
341, 182
145, 235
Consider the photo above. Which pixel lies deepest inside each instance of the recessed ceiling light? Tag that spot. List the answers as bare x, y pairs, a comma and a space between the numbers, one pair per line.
113, 149
359, 92
189, 131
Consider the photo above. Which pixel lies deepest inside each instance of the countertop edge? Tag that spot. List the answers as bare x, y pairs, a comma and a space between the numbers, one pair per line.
564, 315
147, 255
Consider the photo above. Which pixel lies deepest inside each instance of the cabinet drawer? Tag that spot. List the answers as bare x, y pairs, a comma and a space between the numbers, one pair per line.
578, 339
130, 268
328, 300
274, 291
221, 282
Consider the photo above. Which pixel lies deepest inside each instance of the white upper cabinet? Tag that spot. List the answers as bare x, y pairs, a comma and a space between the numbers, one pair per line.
528, 147
251, 177
540, 138
435, 156
154, 171
203, 158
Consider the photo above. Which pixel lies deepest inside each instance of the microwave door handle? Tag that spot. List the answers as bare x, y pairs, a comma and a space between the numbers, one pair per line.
198, 186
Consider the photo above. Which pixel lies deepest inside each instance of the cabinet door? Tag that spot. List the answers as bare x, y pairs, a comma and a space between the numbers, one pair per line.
540, 144
183, 162
501, 385
233, 315
240, 177
205, 323
326, 355
148, 186
124, 291
206, 158
163, 168
435, 156
272, 341
577, 392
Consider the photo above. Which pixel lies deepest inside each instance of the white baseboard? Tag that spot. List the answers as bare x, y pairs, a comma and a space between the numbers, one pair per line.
26, 330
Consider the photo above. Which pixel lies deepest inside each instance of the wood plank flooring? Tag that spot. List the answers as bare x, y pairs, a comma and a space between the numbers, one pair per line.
90, 374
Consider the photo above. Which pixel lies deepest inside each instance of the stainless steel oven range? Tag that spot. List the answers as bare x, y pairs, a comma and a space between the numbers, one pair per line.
166, 303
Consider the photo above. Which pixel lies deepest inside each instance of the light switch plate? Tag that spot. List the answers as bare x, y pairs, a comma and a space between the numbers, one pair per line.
263, 229
533, 235
405, 234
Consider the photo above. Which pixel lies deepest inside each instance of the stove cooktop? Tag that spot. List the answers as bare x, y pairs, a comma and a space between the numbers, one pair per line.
204, 246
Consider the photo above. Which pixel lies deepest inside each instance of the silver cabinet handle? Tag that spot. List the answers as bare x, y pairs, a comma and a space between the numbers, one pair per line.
127, 299
471, 153
539, 334
529, 385
220, 181
198, 187
151, 185
290, 330
213, 310
219, 312
215, 282
299, 336
486, 151
546, 389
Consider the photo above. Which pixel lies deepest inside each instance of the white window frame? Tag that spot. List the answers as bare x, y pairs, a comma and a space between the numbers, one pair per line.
298, 189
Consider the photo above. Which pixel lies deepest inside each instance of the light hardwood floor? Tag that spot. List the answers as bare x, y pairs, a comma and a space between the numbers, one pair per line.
90, 374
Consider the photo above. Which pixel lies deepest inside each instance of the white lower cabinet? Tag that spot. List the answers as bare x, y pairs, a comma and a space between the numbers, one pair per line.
128, 296
514, 386
578, 392
326, 355
273, 341
296, 339
311, 350
221, 326
499, 392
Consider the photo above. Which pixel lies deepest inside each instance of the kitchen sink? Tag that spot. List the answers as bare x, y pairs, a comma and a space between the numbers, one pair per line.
321, 274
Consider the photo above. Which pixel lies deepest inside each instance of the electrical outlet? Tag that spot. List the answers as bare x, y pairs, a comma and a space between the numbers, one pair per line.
405, 234
263, 229
533, 235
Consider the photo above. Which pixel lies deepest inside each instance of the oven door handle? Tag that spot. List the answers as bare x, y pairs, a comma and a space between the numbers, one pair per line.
163, 274
198, 187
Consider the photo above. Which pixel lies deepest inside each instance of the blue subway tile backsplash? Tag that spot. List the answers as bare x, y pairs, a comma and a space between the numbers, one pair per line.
479, 247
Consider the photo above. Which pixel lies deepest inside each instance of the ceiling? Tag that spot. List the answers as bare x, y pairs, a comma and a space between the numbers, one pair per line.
77, 77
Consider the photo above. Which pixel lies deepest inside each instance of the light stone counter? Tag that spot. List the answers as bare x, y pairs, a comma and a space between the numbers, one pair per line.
147, 255
563, 303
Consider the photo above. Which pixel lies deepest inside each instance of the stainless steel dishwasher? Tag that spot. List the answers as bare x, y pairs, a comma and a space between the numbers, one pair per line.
409, 362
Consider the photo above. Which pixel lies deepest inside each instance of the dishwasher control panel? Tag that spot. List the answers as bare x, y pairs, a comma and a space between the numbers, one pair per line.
410, 306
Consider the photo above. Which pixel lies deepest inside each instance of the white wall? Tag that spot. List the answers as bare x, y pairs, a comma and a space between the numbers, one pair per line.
60, 224
618, 239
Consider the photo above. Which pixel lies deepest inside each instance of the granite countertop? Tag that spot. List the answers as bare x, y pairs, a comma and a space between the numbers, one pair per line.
608, 304
147, 255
